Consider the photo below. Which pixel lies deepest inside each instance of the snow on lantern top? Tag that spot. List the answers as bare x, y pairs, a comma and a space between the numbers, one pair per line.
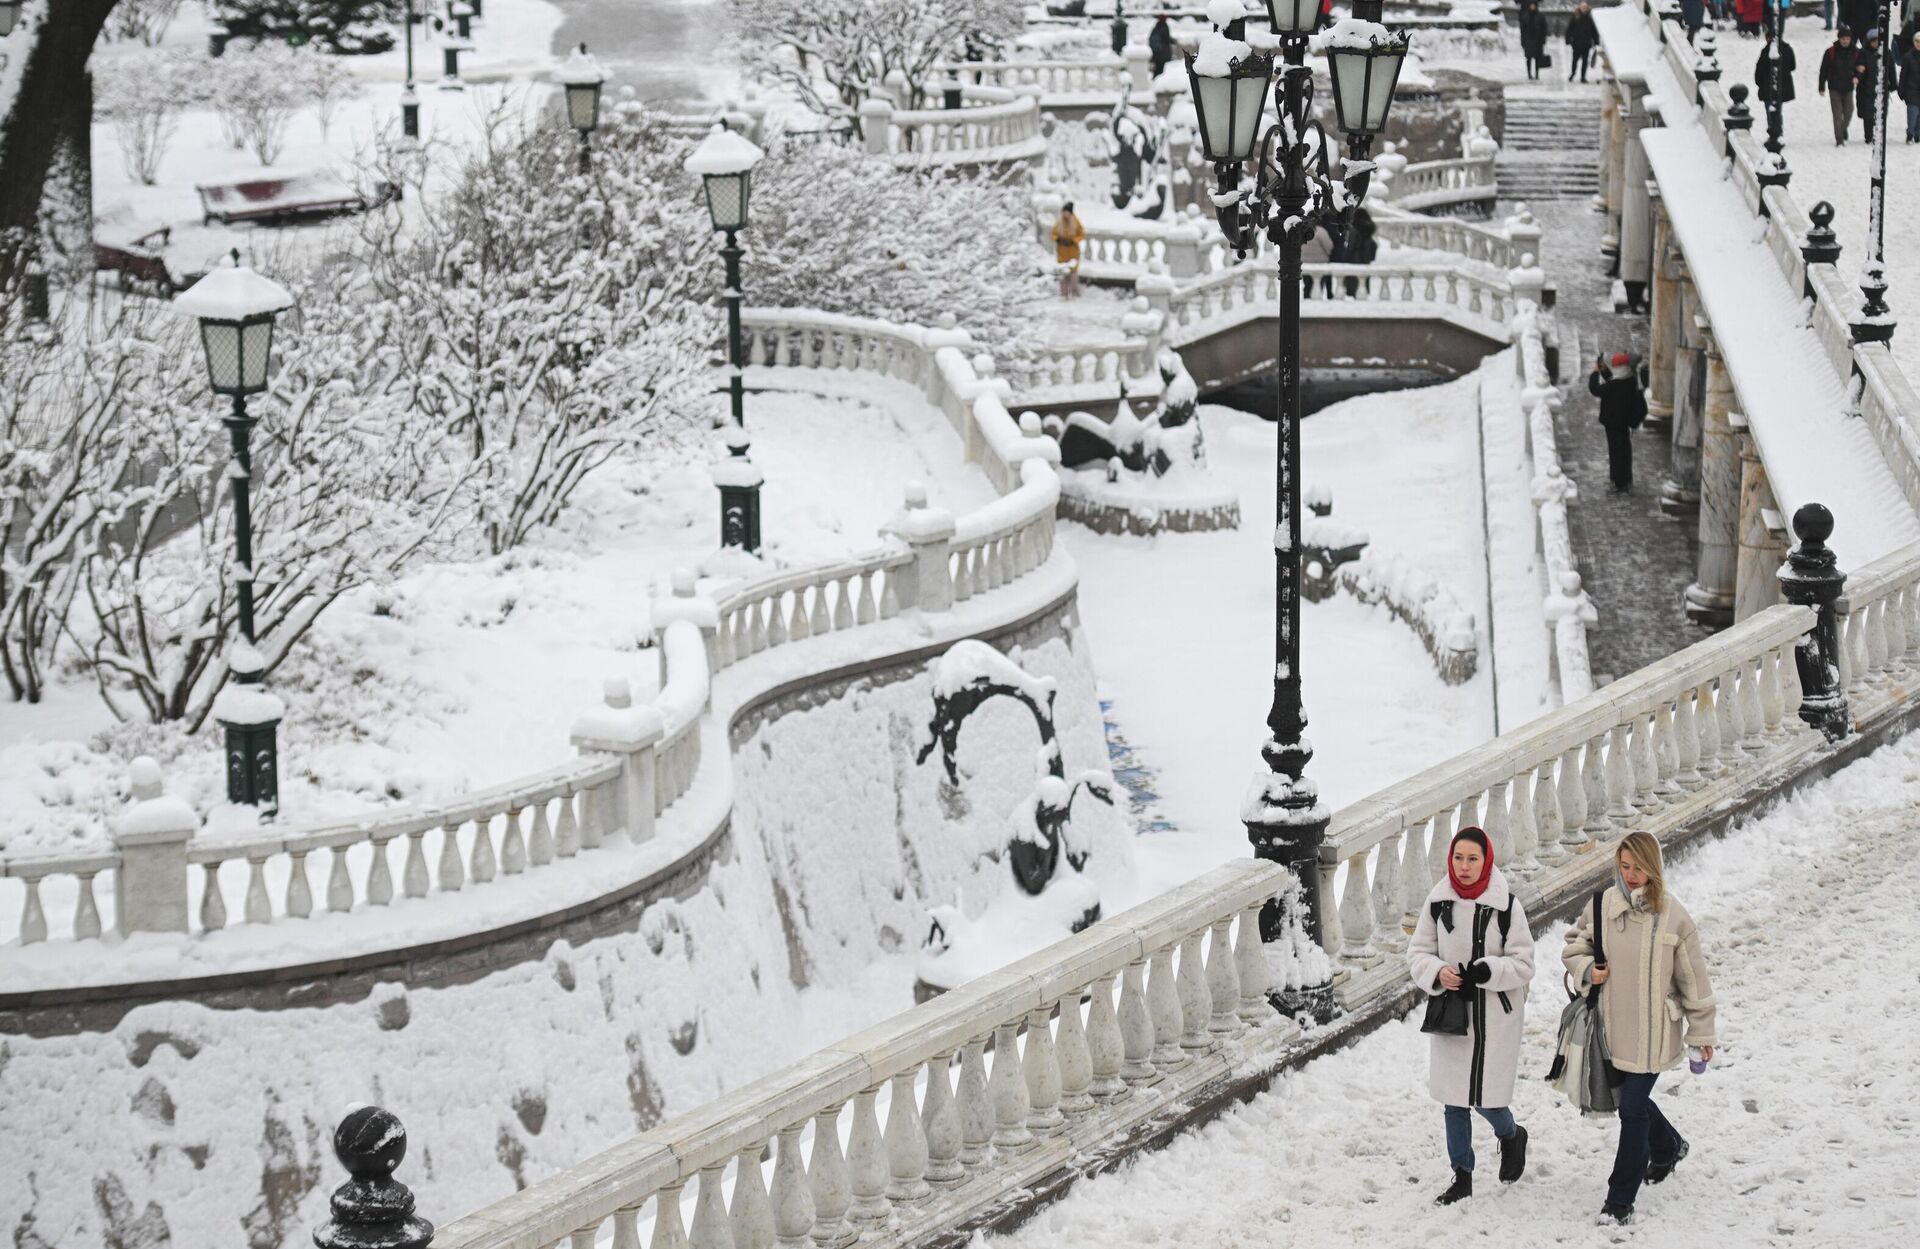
233, 294
1221, 12
1218, 54
580, 69
724, 152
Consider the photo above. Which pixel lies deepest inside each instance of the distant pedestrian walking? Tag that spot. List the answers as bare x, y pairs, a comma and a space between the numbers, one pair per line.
1068, 234
1358, 244
1160, 44
1910, 86
1622, 409
1836, 72
1655, 999
1769, 84
1472, 956
1533, 36
1872, 74
1747, 16
1582, 35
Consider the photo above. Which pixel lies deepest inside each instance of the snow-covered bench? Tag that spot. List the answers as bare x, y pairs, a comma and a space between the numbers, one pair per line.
282, 199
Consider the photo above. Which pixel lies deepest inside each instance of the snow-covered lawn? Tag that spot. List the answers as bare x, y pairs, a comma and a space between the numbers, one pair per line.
1181, 625
1803, 1132
1840, 175
459, 676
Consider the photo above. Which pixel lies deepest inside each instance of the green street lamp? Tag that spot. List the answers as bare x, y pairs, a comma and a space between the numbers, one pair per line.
583, 79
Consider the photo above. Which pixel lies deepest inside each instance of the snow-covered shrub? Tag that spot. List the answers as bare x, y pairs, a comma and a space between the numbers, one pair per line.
328, 84
145, 21
833, 54
256, 94
141, 97
837, 231
549, 321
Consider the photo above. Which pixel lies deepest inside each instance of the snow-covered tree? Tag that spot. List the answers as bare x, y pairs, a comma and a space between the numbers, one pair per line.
142, 21
256, 94
352, 27
835, 53
141, 96
551, 321
835, 230
328, 84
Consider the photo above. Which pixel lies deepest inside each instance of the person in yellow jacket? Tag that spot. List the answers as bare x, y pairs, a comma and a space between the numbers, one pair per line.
1654, 999
1068, 234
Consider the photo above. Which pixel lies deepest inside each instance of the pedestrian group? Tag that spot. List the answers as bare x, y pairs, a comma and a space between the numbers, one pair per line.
1635, 951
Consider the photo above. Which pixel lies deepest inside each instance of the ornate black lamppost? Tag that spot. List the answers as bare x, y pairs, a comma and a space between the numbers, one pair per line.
409, 99
724, 161
582, 76
1776, 80
1289, 190
9, 14
1812, 578
1875, 322
236, 308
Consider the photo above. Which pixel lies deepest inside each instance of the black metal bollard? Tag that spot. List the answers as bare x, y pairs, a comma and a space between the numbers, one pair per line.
1811, 577
1821, 245
372, 1210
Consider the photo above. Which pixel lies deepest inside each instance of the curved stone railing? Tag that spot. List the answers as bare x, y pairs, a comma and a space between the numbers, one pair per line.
637, 760
995, 127
1501, 247
1444, 183
1249, 291
1100, 78
1121, 1023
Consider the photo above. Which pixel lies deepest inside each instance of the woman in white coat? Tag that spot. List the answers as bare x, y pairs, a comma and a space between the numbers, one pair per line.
1472, 938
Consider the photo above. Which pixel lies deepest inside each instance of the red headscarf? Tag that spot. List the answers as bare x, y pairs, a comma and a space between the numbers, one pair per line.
1478, 887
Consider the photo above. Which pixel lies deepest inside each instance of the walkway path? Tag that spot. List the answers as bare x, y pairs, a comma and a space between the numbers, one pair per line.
1802, 1133
1636, 560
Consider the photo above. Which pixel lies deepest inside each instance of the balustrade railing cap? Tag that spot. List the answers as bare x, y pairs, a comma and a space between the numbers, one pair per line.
712, 1133
946, 1023
154, 816
620, 729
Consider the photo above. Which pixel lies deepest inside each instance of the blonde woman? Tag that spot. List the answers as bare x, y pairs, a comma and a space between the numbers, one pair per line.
1654, 999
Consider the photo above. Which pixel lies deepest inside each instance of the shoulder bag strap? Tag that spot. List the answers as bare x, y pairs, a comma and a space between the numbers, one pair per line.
1599, 944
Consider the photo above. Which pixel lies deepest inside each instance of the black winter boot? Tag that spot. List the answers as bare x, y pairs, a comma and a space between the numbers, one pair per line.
1459, 1190
1513, 1156
1657, 1171
1614, 1213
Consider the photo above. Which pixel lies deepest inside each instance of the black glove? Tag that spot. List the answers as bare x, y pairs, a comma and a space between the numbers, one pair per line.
1479, 973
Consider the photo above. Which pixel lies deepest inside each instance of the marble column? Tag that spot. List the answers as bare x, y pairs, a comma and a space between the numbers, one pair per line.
1757, 579
1613, 153
1709, 599
1666, 318
1636, 215
1680, 495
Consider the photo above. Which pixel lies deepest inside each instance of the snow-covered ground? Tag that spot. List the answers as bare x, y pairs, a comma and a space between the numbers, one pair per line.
1803, 1133
1182, 624
1840, 174
459, 676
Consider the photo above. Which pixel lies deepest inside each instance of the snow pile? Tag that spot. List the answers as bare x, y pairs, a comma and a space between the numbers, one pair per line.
1430, 608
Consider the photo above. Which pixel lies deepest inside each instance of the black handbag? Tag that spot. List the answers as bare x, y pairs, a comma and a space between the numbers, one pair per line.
1447, 1014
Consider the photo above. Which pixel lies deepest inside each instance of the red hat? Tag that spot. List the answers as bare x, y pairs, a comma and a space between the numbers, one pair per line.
1620, 359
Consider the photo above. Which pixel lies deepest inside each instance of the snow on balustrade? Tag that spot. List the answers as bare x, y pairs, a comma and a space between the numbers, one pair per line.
1088, 1041
1432, 184
1234, 295
1100, 78
994, 127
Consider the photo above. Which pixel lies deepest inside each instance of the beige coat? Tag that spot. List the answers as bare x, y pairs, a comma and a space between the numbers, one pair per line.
1657, 999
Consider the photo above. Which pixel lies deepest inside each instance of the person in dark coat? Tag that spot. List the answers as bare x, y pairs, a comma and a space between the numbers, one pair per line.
1622, 408
1533, 36
1582, 35
1160, 43
1872, 73
1693, 15
1358, 244
1769, 85
1910, 85
1836, 72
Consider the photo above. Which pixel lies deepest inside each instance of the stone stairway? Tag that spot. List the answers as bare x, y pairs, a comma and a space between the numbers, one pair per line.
1551, 147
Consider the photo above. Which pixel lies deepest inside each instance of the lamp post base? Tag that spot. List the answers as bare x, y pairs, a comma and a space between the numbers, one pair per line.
253, 766
1290, 832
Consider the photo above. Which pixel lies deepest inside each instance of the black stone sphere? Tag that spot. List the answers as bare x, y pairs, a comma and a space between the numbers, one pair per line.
1821, 215
370, 1142
1813, 523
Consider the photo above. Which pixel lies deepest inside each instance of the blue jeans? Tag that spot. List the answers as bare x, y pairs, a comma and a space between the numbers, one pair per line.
1913, 121
1460, 1132
1645, 1136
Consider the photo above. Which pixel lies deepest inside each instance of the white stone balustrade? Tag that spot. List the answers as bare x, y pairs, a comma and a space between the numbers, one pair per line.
939, 1155
1438, 183
1249, 291
994, 128
1098, 79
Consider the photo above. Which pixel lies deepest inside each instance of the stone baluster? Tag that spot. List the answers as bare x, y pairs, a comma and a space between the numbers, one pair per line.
1106, 1047
821, 619
1642, 758
1136, 1026
1572, 795
1355, 912
668, 1231
710, 1229
413, 877
1332, 931
1666, 755
626, 1228
793, 1212
1521, 829
752, 1218
1250, 967
1222, 982
1043, 1074
864, 611
1163, 1000
1706, 726
1753, 718
86, 913
1437, 851
33, 917
976, 1106
540, 847
1074, 1058
941, 1114
1790, 691
481, 863
339, 881
513, 847
1498, 831
1876, 632
1384, 898
1008, 1087
213, 907
259, 910
566, 829
1686, 743
1414, 883
906, 1141
828, 1182
1620, 810
1770, 698
1196, 1004
1727, 708
867, 1165
1593, 775
1547, 826
299, 893
799, 624
776, 621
